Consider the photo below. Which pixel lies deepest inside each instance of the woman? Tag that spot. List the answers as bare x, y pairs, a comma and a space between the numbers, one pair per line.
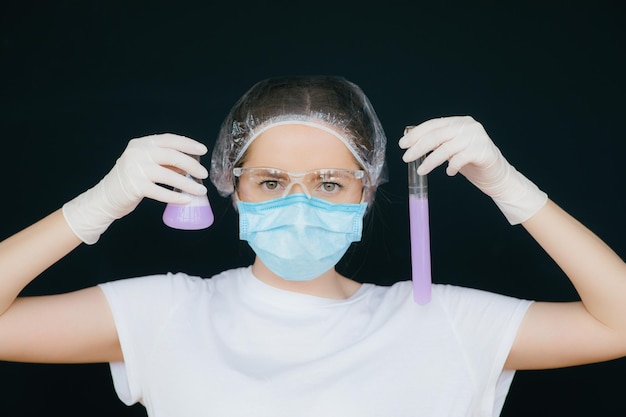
302, 158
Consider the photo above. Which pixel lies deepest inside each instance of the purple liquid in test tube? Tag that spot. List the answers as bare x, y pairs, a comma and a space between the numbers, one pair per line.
195, 215
420, 234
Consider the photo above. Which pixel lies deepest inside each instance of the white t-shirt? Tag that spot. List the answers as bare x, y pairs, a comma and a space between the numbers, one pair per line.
235, 346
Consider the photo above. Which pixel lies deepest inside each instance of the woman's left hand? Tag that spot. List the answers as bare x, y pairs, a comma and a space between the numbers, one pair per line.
464, 143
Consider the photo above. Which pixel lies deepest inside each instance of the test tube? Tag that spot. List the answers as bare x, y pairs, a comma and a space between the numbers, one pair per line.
195, 215
419, 232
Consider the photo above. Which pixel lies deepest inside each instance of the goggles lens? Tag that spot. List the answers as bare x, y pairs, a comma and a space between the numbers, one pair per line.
334, 185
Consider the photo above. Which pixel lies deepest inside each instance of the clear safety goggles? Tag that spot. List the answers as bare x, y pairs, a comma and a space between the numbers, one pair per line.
333, 185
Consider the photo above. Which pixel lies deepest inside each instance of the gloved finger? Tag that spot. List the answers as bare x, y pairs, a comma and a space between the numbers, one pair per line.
429, 141
457, 162
447, 151
165, 195
433, 133
178, 160
178, 142
162, 175
416, 133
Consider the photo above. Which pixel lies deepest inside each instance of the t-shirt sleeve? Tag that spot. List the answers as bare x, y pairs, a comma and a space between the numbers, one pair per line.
140, 308
486, 325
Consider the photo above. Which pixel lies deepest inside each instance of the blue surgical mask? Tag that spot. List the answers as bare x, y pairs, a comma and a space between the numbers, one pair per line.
299, 238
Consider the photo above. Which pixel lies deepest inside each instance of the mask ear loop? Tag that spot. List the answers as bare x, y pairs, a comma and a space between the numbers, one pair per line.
365, 180
235, 194
362, 195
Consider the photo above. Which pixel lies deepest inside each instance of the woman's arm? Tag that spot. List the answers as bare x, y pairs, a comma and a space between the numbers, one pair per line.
69, 328
565, 334
28, 253
552, 334
78, 326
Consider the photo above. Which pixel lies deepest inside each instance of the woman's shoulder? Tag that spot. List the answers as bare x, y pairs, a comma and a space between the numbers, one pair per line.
171, 283
447, 296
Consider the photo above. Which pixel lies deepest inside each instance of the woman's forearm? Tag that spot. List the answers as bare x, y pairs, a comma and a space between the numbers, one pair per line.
595, 270
28, 253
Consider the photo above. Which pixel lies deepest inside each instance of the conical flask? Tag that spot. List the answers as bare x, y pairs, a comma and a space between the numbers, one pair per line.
195, 215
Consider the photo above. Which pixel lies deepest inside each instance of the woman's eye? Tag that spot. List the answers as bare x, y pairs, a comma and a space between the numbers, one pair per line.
270, 185
330, 186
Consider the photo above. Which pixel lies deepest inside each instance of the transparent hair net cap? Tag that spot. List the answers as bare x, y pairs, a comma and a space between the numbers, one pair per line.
316, 125
330, 103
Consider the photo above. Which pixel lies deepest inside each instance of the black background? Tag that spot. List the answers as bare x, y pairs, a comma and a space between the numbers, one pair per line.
79, 79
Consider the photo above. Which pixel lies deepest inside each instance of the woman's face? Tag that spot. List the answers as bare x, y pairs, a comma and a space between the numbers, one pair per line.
297, 149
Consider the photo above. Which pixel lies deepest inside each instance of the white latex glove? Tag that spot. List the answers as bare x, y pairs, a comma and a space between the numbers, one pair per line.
137, 174
463, 142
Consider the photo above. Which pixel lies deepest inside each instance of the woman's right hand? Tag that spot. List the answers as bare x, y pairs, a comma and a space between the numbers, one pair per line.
144, 167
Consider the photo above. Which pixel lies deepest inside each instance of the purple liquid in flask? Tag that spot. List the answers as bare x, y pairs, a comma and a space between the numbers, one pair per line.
195, 215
